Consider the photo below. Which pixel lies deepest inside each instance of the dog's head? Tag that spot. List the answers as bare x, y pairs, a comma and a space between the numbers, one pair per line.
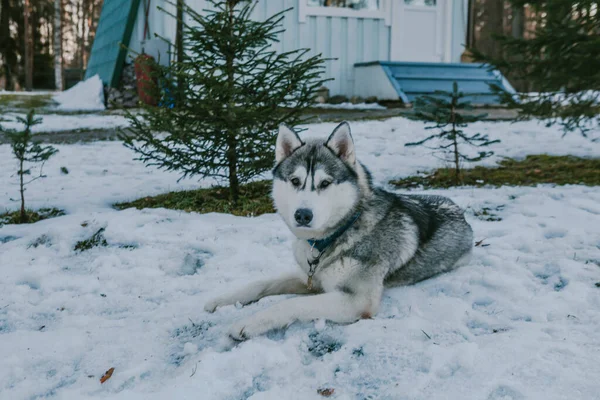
315, 182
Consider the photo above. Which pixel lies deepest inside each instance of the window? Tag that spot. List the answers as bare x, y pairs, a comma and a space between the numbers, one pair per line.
370, 9
420, 3
352, 4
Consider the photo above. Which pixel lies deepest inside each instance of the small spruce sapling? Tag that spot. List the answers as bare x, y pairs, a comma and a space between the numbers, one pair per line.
26, 151
446, 111
225, 96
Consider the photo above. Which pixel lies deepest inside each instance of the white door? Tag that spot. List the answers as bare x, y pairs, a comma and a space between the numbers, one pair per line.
419, 30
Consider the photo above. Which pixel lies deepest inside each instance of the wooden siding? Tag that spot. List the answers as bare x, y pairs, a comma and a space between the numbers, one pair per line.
350, 40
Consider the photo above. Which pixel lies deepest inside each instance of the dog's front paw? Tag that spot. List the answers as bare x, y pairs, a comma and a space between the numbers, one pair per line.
238, 332
212, 305
251, 327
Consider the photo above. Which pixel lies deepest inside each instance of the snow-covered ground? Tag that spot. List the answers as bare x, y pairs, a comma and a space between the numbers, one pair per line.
351, 106
103, 173
521, 321
86, 95
23, 93
59, 122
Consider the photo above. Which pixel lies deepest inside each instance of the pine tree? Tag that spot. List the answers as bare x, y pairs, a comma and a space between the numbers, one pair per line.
446, 110
560, 60
231, 91
26, 151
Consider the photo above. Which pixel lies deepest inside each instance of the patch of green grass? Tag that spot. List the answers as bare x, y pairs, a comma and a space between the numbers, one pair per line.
488, 214
254, 200
26, 101
533, 170
14, 217
97, 239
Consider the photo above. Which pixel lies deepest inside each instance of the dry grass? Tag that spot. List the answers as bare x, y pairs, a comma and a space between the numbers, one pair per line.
14, 217
533, 170
255, 199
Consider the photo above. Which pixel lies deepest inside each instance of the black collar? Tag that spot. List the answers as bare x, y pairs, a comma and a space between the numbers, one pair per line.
322, 244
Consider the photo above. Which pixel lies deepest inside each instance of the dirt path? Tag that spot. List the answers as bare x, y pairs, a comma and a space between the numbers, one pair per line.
315, 116
70, 137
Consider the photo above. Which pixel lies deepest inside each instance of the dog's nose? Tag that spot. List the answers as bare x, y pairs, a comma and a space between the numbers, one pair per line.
303, 216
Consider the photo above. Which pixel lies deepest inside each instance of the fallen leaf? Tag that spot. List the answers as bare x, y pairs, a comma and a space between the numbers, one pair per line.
107, 375
84, 224
326, 392
477, 244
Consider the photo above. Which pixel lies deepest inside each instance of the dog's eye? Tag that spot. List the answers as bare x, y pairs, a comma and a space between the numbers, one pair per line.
324, 184
295, 181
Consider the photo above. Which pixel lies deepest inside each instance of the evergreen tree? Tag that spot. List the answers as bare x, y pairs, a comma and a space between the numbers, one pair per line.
446, 110
559, 58
231, 91
26, 151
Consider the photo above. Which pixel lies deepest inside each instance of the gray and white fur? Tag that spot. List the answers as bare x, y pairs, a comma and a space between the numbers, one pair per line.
319, 188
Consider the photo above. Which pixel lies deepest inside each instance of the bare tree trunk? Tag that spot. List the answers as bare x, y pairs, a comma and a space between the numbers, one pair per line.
82, 18
88, 25
28, 46
471, 24
518, 21
77, 35
466, 56
66, 35
92, 22
496, 24
517, 31
490, 20
58, 67
50, 36
5, 43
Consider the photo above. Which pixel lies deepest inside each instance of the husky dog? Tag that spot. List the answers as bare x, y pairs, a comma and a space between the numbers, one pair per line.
352, 239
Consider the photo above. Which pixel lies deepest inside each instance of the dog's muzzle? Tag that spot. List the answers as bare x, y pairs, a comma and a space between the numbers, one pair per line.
303, 216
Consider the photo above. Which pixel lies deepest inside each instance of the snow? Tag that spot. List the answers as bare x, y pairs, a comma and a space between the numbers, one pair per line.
521, 321
350, 106
103, 173
59, 123
381, 144
563, 98
86, 95
24, 93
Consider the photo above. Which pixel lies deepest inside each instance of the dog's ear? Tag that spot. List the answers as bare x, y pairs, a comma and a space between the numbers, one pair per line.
287, 142
341, 143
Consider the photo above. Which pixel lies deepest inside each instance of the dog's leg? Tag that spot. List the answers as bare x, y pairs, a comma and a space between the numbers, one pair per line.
288, 284
340, 307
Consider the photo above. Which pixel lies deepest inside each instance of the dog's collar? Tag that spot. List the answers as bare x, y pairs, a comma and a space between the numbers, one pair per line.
322, 244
